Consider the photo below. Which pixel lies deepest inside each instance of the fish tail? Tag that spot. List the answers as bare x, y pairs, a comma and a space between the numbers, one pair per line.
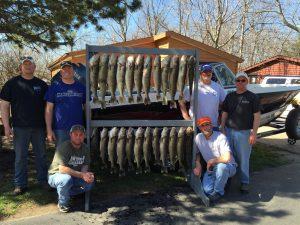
165, 100
147, 100
180, 98
113, 99
95, 99
103, 104
130, 99
121, 99
158, 97
139, 98
173, 105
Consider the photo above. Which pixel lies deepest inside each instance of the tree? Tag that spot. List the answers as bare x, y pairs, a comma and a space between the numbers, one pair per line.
51, 23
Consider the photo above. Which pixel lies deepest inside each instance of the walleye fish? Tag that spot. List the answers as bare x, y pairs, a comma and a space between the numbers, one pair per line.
111, 77
121, 151
103, 68
164, 142
182, 76
173, 79
121, 77
94, 70
103, 148
129, 148
191, 72
138, 75
146, 79
147, 149
112, 142
189, 147
157, 76
155, 145
165, 68
129, 77
138, 149
181, 145
173, 147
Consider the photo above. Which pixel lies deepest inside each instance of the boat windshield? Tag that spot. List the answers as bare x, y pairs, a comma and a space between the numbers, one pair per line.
224, 75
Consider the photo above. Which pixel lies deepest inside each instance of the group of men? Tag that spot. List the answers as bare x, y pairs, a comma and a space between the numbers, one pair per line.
56, 112
224, 145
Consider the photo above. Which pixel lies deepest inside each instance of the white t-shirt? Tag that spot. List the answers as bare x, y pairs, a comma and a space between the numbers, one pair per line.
214, 147
209, 99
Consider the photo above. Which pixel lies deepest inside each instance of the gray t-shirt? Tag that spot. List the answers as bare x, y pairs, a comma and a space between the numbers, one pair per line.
67, 155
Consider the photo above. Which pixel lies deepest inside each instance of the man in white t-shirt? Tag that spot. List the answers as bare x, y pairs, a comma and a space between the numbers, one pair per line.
210, 96
215, 150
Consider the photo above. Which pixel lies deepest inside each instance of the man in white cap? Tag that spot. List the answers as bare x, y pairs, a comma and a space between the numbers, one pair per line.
241, 116
23, 95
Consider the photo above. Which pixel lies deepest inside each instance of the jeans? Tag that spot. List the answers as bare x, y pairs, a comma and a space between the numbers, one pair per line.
239, 143
67, 185
216, 180
61, 136
22, 137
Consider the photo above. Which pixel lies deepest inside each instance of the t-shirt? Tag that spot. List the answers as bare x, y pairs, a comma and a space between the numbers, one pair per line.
68, 100
27, 102
209, 98
67, 155
214, 147
240, 109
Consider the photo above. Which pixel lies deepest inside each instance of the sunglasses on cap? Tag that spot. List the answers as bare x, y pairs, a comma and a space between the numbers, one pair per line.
205, 124
66, 63
26, 57
241, 80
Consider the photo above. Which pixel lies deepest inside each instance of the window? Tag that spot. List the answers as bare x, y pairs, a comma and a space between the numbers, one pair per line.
295, 81
224, 75
276, 81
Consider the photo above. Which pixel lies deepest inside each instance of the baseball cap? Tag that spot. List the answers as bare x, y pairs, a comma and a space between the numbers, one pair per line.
65, 63
241, 74
203, 120
26, 58
77, 127
205, 67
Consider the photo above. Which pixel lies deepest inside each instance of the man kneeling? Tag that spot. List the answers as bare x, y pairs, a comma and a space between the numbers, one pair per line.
68, 172
216, 152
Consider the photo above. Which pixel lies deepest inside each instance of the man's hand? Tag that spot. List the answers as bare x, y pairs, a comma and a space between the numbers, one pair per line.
252, 138
197, 171
210, 164
88, 177
51, 136
186, 116
8, 132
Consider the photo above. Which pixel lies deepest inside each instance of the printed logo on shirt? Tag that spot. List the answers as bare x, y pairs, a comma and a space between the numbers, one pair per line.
245, 101
37, 89
69, 93
75, 161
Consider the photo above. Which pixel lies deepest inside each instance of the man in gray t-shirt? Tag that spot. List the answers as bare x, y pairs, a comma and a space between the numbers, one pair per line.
68, 172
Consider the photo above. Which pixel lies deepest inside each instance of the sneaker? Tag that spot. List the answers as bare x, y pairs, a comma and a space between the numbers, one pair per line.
63, 208
214, 197
19, 191
244, 188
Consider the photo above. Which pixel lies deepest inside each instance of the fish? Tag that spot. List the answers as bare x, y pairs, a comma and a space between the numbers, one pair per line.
138, 149
191, 72
112, 142
163, 146
174, 67
181, 148
146, 79
157, 76
173, 147
121, 69
138, 75
189, 147
129, 148
129, 77
94, 70
102, 78
111, 77
182, 77
121, 144
103, 148
155, 145
165, 68
147, 149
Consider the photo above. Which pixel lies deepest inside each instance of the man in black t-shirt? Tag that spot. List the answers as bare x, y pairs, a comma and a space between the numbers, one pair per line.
23, 95
241, 116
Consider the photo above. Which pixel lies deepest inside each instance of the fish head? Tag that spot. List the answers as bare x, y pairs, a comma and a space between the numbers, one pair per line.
130, 62
148, 131
191, 61
165, 132
175, 61
104, 132
166, 62
147, 62
173, 132
183, 60
122, 60
156, 61
156, 131
139, 61
181, 132
104, 58
113, 132
139, 133
130, 132
94, 60
122, 133
113, 59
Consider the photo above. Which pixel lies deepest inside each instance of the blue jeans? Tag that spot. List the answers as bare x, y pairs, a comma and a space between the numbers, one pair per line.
61, 136
22, 137
239, 144
67, 185
216, 180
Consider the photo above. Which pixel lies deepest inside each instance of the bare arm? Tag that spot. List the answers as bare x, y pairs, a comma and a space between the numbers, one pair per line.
256, 122
198, 167
48, 119
5, 113
183, 109
83, 174
224, 158
223, 121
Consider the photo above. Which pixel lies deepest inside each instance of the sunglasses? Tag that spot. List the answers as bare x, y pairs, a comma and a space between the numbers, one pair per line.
26, 57
205, 125
242, 80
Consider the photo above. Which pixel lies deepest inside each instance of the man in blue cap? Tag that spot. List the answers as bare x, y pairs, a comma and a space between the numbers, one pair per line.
210, 96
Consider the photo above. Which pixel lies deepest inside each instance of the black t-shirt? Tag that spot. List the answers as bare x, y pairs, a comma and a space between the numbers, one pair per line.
240, 109
27, 102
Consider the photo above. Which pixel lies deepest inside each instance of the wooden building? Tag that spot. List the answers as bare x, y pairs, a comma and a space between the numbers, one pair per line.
167, 39
275, 66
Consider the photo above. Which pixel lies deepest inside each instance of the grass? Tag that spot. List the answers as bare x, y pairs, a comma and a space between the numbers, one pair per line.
108, 185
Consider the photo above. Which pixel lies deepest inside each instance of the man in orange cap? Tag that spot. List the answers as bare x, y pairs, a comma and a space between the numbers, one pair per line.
214, 148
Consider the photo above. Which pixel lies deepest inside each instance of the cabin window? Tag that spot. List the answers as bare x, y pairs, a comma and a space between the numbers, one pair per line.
224, 75
276, 81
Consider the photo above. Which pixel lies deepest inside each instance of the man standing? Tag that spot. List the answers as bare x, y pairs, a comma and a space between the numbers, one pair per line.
68, 172
65, 102
241, 115
210, 96
24, 96
215, 150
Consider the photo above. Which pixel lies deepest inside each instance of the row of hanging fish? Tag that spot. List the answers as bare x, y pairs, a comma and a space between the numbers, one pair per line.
137, 148
112, 72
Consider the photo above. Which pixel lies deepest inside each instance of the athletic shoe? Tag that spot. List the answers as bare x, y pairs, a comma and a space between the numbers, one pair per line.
19, 191
244, 188
214, 197
63, 208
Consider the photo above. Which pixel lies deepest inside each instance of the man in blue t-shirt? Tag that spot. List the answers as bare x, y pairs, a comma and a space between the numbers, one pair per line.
65, 102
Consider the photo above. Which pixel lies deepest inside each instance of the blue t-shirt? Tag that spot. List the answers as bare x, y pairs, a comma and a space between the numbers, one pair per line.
68, 100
